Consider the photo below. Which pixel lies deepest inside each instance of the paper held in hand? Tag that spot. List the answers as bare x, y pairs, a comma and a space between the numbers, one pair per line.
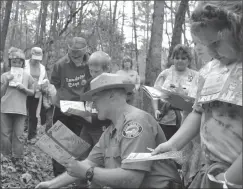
61, 143
18, 76
177, 99
136, 157
73, 107
152, 92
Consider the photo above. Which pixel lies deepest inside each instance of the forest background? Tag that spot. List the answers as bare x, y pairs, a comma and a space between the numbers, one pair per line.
145, 30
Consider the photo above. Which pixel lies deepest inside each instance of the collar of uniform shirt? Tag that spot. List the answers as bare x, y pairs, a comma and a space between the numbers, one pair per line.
119, 125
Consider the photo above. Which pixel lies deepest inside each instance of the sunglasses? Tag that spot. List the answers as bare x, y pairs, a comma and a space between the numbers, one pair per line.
77, 52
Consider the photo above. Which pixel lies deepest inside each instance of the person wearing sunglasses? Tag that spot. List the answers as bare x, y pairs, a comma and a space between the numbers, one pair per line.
69, 76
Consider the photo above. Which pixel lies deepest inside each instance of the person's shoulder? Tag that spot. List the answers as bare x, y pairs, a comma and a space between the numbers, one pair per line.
134, 72
194, 73
138, 115
166, 71
120, 72
4, 76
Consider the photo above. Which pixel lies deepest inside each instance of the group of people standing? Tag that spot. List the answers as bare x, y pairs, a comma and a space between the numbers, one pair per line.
212, 131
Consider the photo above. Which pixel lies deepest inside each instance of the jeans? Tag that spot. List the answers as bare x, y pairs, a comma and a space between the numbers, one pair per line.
12, 128
49, 117
74, 123
32, 104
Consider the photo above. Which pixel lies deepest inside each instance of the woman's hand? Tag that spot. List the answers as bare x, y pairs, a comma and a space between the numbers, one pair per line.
21, 87
9, 76
157, 114
164, 147
45, 184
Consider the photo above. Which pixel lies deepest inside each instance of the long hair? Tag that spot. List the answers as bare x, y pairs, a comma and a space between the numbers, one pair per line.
127, 59
219, 15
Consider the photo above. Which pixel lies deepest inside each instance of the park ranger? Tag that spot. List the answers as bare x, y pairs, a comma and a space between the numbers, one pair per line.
131, 130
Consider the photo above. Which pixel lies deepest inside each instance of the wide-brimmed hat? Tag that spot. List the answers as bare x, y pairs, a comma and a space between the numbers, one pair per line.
36, 53
107, 81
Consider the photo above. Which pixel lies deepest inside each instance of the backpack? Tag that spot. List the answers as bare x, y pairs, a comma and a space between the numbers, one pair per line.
164, 107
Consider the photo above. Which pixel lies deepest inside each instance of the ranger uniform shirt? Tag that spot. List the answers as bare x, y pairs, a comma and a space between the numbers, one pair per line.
134, 132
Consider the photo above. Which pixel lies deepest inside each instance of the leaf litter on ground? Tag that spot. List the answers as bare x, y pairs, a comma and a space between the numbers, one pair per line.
37, 167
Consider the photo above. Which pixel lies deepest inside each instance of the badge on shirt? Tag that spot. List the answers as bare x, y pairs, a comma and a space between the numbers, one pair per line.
132, 130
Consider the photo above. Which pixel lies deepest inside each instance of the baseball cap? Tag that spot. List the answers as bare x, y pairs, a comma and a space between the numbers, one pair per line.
36, 53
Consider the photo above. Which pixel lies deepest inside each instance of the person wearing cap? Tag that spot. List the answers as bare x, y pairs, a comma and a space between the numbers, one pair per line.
131, 130
15, 86
34, 103
69, 76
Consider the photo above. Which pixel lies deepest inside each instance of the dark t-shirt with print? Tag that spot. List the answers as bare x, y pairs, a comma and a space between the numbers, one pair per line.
69, 79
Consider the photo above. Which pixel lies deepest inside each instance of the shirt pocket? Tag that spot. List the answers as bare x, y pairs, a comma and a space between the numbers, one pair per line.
112, 157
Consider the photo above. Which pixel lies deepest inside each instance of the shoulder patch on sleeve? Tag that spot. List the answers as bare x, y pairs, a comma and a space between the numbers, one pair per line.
132, 130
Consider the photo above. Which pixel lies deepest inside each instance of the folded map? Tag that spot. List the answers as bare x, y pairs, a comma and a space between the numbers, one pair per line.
62, 144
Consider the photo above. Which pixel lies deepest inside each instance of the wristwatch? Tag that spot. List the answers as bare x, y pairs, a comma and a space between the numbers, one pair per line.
90, 174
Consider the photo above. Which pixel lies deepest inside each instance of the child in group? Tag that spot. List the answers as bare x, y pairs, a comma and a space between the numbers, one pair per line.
217, 25
99, 62
13, 108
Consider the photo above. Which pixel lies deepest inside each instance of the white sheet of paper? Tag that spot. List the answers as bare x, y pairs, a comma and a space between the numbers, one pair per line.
18, 76
73, 107
136, 157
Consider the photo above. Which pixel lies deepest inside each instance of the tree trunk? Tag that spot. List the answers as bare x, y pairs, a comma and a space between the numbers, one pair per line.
171, 14
80, 20
179, 20
147, 24
16, 17
38, 24
54, 25
21, 27
73, 9
135, 33
153, 60
52, 16
4, 31
26, 29
112, 27
123, 19
98, 24
43, 22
